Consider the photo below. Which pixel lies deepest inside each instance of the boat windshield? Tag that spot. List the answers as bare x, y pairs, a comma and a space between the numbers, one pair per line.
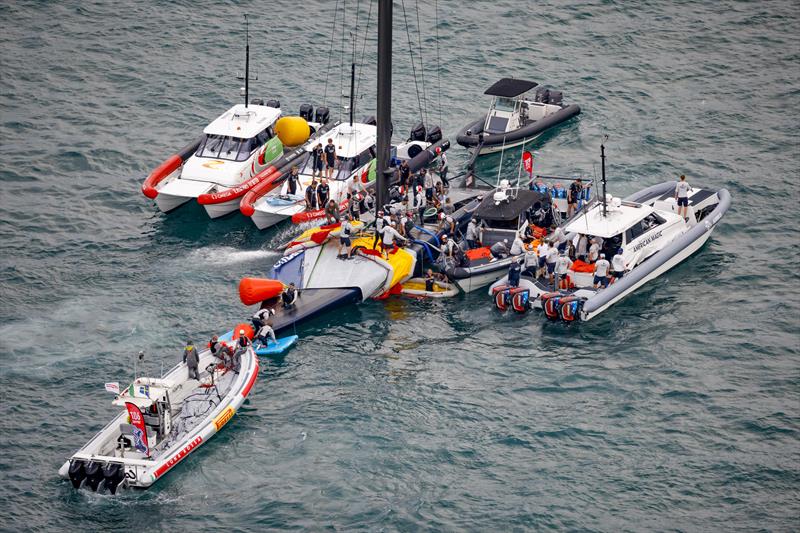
504, 104
225, 147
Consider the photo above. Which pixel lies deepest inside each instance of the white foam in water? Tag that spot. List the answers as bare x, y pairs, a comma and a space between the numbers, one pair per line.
227, 255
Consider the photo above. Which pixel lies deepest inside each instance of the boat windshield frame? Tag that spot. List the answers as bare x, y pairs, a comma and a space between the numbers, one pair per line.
231, 148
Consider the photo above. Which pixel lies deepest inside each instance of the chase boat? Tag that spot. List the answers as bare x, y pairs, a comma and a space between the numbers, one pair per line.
163, 420
653, 237
514, 118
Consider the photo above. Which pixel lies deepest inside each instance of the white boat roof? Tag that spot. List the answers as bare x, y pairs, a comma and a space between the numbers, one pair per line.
349, 140
243, 122
617, 219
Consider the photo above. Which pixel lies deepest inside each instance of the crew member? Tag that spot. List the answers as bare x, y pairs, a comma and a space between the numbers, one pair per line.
428, 182
499, 249
330, 158
323, 191
344, 236
311, 196
617, 265
574, 191
561, 268
559, 237
514, 273
213, 345
517, 247
472, 234
594, 251
582, 247
405, 176
318, 162
191, 359
443, 169
682, 196
541, 252
448, 246
288, 295
552, 257
292, 180
601, 268
380, 223
331, 211
389, 236
265, 333
260, 317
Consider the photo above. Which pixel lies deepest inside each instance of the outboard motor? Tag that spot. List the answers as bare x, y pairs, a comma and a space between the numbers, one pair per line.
570, 308
417, 133
323, 115
543, 95
77, 472
520, 298
551, 304
257, 101
502, 296
273, 103
94, 475
307, 112
556, 97
113, 473
371, 120
434, 135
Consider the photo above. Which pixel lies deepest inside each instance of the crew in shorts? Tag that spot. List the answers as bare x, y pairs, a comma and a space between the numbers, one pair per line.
617, 265
552, 257
682, 196
601, 268
330, 158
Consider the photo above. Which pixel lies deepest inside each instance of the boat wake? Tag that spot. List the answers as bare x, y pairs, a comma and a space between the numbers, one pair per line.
225, 255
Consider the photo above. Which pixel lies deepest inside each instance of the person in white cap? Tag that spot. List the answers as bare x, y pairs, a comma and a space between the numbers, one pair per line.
448, 246
617, 265
517, 247
563, 263
601, 268
380, 222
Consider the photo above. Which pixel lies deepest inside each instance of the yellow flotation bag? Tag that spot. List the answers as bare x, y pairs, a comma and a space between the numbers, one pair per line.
292, 131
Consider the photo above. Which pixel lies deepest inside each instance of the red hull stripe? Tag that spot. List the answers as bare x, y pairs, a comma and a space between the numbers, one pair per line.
250, 383
178, 457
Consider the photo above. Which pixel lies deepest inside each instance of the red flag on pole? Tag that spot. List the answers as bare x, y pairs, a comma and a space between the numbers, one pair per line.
139, 430
527, 162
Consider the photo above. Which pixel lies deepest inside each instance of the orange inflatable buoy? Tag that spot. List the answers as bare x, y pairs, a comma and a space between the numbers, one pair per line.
248, 331
256, 290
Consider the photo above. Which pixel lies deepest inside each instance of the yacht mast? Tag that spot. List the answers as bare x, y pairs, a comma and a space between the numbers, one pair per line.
246, 62
384, 101
603, 170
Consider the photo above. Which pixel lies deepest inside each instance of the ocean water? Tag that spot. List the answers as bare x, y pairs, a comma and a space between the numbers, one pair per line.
678, 409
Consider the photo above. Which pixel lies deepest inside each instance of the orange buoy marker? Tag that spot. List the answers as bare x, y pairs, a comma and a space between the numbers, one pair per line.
256, 290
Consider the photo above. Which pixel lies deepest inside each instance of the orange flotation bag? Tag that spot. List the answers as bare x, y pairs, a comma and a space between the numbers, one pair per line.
582, 266
248, 331
479, 253
256, 290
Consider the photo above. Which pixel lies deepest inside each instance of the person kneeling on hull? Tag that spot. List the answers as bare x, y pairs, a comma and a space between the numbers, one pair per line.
499, 249
288, 296
601, 267
265, 333
260, 317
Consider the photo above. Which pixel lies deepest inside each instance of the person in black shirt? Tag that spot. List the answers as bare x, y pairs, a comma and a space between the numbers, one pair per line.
317, 163
292, 180
405, 176
330, 158
323, 190
311, 196
575, 189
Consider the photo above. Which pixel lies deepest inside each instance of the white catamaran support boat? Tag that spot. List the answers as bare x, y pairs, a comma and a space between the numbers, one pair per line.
653, 238
163, 421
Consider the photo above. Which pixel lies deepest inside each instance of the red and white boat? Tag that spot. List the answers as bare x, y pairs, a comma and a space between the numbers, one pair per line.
163, 420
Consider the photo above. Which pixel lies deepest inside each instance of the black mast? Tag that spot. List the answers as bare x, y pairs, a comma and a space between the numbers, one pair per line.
384, 101
246, 62
603, 170
352, 91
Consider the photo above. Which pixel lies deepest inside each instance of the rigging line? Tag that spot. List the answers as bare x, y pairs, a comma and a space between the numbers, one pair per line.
438, 63
411, 54
330, 53
421, 63
363, 48
341, 65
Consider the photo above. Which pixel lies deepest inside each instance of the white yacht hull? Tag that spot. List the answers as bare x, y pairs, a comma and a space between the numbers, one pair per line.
511, 144
222, 209
479, 281
168, 202
264, 219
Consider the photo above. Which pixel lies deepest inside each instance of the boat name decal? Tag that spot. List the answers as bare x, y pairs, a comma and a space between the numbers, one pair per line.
283, 260
223, 418
648, 240
213, 164
178, 457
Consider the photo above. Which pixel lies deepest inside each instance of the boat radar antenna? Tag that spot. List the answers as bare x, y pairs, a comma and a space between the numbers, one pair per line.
603, 169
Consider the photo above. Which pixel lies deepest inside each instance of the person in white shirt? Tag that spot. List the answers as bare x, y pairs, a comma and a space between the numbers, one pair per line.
581, 247
601, 268
559, 237
563, 263
389, 236
517, 247
266, 332
594, 251
541, 252
682, 196
261, 316
617, 265
552, 257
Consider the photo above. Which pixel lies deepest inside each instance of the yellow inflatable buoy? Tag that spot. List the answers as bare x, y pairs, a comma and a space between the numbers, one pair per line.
292, 131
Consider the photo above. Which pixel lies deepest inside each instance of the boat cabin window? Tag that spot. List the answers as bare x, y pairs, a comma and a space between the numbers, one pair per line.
225, 147
643, 226
504, 104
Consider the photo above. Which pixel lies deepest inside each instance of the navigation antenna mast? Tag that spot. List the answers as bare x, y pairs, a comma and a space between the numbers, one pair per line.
353, 81
603, 170
246, 61
384, 101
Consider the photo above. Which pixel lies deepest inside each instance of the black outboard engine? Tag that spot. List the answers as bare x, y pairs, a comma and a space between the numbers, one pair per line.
323, 115
94, 475
556, 97
77, 472
257, 101
543, 95
417, 133
371, 120
434, 135
273, 103
113, 474
307, 112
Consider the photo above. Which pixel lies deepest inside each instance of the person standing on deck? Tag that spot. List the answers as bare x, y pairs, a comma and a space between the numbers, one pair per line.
573, 193
323, 191
552, 258
682, 197
541, 252
389, 236
601, 268
311, 196
443, 170
561, 269
317, 161
472, 234
617, 266
330, 158
292, 180
192, 360
344, 237
380, 224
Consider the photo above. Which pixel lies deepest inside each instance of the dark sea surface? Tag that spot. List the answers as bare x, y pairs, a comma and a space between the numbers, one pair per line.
678, 409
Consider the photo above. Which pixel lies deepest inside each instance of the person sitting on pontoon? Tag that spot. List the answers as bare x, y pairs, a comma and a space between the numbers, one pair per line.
499, 249
265, 333
288, 296
517, 247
